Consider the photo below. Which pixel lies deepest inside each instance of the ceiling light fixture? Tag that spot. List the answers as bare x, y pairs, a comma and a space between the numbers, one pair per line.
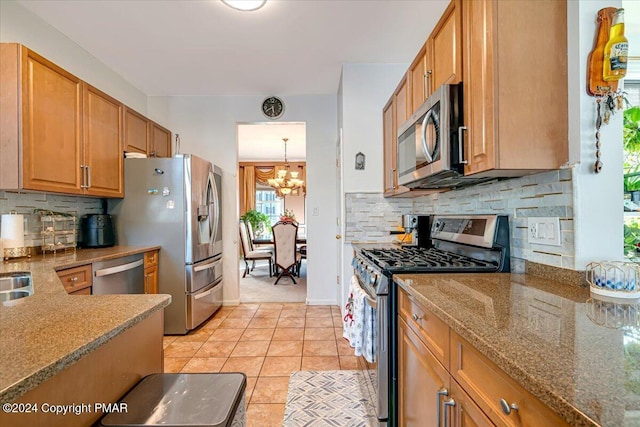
245, 5
285, 181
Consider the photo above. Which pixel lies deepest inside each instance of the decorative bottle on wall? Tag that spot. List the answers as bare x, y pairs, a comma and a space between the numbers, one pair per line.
616, 50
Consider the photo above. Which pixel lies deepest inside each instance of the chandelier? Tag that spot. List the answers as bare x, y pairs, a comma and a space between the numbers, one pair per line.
285, 181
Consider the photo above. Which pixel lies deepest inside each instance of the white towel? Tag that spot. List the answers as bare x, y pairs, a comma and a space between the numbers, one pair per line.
134, 155
359, 322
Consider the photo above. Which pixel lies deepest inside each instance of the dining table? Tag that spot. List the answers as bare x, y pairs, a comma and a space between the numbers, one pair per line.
268, 240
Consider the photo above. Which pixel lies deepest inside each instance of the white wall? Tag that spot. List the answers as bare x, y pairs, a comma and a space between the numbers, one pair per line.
21, 26
598, 209
366, 88
207, 128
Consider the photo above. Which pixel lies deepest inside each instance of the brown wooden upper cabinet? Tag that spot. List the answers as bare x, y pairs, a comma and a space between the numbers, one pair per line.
57, 133
439, 61
160, 141
143, 135
512, 128
390, 147
136, 131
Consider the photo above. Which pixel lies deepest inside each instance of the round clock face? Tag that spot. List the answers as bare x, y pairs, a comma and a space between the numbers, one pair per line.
273, 107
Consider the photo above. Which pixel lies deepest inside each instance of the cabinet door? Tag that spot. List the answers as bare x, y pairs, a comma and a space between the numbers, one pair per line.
420, 378
103, 143
444, 49
52, 124
400, 102
160, 145
419, 79
389, 146
478, 77
136, 131
465, 412
151, 280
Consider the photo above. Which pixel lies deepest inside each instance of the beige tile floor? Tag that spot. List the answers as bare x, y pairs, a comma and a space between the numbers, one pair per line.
267, 342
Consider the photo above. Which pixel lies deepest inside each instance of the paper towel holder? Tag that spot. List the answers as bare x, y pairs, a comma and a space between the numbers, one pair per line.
16, 252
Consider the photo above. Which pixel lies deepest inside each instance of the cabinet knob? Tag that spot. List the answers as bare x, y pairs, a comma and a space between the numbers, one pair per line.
507, 408
416, 317
73, 279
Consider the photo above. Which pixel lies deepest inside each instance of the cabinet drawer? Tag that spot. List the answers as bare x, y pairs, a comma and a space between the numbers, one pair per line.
431, 330
488, 385
150, 258
83, 291
75, 279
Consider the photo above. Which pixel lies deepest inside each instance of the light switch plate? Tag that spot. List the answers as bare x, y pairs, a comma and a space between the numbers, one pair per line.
544, 231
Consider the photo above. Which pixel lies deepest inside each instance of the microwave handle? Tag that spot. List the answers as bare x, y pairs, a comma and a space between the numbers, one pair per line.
461, 129
427, 154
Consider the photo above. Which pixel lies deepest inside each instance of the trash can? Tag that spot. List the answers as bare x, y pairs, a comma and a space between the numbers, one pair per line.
181, 400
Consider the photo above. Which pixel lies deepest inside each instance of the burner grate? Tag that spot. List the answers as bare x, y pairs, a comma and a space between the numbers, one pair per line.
420, 259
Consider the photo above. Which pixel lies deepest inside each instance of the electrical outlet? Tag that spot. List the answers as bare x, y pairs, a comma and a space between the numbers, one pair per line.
316, 211
544, 231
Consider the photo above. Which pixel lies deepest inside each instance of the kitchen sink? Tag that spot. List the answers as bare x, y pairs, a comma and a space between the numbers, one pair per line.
15, 285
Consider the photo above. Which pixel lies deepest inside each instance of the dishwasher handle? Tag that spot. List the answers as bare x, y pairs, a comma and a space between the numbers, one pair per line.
118, 268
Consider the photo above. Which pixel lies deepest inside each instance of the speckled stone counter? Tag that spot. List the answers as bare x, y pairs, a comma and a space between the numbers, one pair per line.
42, 334
577, 354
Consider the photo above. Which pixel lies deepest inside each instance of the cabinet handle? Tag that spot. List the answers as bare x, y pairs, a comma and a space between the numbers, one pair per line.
451, 402
461, 129
439, 394
83, 168
88, 176
506, 407
416, 317
427, 79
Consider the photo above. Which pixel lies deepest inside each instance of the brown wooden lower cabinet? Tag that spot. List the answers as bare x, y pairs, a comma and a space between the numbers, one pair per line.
102, 376
77, 280
465, 390
420, 379
151, 272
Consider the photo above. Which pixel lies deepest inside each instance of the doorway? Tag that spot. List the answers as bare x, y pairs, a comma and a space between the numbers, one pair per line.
264, 151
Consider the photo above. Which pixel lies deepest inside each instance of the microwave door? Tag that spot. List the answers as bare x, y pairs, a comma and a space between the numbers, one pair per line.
431, 134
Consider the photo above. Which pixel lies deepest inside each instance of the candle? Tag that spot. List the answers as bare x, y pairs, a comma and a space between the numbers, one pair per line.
12, 231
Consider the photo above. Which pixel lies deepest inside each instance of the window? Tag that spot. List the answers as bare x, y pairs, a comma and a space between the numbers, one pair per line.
268, 203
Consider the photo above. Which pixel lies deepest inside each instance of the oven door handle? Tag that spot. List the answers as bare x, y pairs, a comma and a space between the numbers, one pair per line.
372, 302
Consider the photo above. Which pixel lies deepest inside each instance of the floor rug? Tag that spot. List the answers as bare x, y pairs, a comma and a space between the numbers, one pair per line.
328, 398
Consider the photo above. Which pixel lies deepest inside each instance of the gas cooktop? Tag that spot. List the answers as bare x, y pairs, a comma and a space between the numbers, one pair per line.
416, 259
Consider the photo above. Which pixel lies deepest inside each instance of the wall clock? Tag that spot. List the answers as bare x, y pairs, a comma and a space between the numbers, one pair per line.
273, 107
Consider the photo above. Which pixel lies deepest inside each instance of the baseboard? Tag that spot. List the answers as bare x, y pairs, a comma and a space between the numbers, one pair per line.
230, 302
322, 302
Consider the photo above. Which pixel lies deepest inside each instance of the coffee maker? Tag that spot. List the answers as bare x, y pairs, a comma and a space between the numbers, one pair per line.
417, 229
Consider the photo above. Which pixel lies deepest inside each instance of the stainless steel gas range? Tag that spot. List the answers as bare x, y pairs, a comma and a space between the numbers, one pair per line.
457, 244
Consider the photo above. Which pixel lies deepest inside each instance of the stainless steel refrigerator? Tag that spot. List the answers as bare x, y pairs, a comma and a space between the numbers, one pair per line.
175, 203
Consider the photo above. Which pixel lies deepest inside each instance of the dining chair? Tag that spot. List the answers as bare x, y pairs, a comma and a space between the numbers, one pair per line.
252, 245
286, 256
251, 255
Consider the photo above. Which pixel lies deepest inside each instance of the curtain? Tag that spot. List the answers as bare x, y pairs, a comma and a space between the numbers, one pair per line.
263, 174
249, 188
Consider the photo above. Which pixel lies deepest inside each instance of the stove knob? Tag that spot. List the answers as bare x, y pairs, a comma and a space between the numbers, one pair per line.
373, 278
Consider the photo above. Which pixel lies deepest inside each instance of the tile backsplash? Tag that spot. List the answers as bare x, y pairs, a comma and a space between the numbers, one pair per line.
370, 217
26, 203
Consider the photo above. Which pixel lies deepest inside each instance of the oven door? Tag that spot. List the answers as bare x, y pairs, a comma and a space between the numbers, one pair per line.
376, 374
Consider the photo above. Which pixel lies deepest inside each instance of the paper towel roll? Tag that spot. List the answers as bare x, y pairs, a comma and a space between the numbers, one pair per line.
12, 231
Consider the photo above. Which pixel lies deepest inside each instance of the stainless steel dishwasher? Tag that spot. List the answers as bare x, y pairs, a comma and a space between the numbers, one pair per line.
119, 276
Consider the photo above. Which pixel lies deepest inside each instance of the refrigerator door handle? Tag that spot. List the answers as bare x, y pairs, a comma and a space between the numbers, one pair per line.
209, 292
206, 266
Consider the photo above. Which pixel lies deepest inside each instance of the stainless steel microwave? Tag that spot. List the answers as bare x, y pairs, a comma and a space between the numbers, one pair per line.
430, 152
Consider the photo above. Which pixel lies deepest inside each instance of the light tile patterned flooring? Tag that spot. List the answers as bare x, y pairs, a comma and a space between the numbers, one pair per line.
267, 342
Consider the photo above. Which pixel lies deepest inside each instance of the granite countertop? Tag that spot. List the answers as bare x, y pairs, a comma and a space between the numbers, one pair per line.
577, 354
42, 334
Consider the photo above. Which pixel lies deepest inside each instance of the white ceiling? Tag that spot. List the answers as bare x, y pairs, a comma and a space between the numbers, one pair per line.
263, 141
203, 47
